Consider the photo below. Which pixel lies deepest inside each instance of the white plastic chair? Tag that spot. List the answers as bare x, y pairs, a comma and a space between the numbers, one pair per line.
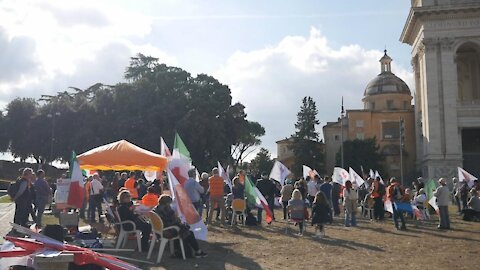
238, 209
158, 229
123, 234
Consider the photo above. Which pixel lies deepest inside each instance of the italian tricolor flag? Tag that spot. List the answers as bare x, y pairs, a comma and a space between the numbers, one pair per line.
256, 199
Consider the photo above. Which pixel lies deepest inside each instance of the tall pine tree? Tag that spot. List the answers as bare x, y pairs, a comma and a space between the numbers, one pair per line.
306, 146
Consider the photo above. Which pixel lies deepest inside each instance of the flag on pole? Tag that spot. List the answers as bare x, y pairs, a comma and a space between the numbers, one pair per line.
185, 210
224, 175
355, 178
433, 203
388, 206
371, 174
429, 186
180, 147
76, 193
340, 176
466, 176
417, 212
307, 171
279, 172
164, 151
256, 199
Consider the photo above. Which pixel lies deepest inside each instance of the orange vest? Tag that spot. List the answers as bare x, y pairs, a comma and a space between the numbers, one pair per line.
150, 200
130, 185
215, 184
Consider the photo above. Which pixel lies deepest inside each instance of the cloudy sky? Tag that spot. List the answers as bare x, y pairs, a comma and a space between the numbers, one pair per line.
271, 53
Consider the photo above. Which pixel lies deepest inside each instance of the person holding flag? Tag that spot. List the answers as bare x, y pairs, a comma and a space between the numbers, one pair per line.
267, 188
395, 194
215, 183
443, 200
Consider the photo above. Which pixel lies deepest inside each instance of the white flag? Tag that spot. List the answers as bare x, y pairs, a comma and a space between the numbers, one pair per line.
355, 178
279, 172
307, 171
372, 174
466, 176
224, 175
164, 151
433, 203
340, 175
378, 175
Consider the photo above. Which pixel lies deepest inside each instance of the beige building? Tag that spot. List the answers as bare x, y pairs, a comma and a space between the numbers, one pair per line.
445, 40
285, 154
386, 99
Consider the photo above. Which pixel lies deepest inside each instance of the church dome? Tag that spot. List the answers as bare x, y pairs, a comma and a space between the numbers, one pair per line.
386, 82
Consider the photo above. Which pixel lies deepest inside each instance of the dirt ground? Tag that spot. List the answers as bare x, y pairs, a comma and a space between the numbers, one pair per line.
371, 245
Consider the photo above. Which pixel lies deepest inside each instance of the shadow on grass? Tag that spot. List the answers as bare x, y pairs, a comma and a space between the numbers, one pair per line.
242, 232
441, 234
348, 244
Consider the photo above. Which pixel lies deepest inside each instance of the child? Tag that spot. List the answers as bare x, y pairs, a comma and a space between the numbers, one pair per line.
297, 208
321, 214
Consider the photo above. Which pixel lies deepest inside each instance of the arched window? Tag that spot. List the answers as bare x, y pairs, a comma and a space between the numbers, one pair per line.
468, 72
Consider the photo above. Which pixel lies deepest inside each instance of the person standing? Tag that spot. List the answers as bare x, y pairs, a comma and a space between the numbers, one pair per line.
312, 190
95, 201
22, 199
336, 189
396, 194
142, 188
378, 191
215, 186
123, 179
321, 214
131, 184
350, 197
43, 194
326, 188
443, 198
194, 190
285, 196
267, 188
205, 196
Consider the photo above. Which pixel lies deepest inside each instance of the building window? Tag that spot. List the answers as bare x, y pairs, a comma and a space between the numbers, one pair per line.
359, 123
390, 130
360, 136
390, 104
337, 138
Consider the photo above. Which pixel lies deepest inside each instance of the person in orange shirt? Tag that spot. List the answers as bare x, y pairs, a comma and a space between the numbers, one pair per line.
88, 184
215, 186
378, 191
150, 199
241, 176
131, 185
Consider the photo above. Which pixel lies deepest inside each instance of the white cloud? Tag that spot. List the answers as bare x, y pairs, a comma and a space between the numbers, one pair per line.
272, 81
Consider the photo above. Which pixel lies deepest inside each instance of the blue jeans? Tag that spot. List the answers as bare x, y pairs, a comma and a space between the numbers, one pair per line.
396, 215
40, 204
350, 219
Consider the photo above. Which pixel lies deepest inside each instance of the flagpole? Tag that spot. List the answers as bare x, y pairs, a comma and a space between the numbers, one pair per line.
341, 130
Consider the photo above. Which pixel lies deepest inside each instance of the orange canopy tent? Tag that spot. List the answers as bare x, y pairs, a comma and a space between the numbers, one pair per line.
121, 155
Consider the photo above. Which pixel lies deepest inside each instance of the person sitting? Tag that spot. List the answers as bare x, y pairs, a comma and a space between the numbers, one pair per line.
169, 218
125, 211
472, 213
151, 198
297, 209
238, 190
419, 201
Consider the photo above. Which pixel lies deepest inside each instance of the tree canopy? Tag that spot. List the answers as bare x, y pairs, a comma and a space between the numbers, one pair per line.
306, 147
262, 162
157, 100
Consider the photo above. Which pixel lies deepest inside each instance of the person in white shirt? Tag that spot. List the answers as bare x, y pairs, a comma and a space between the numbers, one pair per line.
96, 189
350, 197
443, 200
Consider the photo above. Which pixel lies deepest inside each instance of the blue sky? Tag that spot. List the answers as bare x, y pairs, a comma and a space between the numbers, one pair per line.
270, 53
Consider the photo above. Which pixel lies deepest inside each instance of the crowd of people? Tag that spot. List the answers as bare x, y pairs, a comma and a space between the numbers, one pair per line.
211, 193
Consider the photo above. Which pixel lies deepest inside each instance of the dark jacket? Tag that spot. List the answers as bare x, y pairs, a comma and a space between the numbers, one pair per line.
267, 188
320, 214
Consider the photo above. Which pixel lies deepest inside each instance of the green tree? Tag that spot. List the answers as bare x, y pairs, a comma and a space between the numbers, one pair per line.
4, 138
305, 144
361, 153
262, 162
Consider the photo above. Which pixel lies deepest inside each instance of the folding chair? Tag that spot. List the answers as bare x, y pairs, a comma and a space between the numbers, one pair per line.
158, 229
367, 210
238, 207
124, 233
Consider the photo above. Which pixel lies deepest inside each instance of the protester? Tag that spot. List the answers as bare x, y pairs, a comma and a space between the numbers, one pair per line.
378, 191
194, 190
22, 198
43, 194
169, 218
297, 209
395, 193
115, 184
336, 189
419, 201
285, 196
131, 184
123, 179
205, 196
215, 183
157, 185
142, 188
95, 200
151, 198
443, 198
321, 214
88, 184
125, 211
267, 188
472, 213
350, 197
238, 190
456, 193
464, 189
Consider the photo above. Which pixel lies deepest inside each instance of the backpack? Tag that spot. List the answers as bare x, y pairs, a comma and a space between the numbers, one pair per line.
13, 189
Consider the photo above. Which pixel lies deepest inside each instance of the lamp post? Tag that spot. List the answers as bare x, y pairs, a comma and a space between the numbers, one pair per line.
402, 146
342, 112
53, 115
